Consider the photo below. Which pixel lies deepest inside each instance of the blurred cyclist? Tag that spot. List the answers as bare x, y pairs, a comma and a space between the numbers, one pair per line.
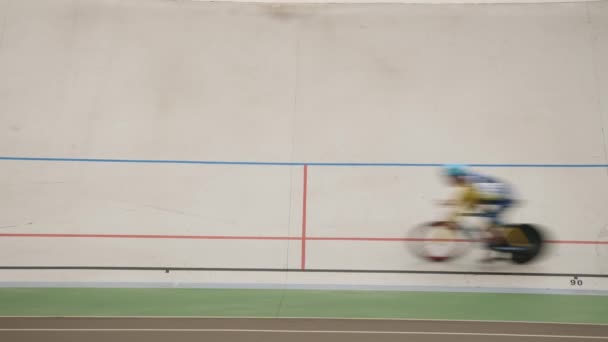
479, 193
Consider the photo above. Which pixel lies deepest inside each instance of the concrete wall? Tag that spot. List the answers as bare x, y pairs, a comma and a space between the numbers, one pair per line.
191, 81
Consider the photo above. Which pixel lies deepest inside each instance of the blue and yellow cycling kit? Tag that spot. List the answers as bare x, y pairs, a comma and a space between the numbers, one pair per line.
479, 190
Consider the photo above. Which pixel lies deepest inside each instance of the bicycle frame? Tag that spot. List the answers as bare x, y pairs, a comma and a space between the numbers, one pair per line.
474, 234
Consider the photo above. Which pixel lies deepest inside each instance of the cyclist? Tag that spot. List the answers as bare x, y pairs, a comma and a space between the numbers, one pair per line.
479, 192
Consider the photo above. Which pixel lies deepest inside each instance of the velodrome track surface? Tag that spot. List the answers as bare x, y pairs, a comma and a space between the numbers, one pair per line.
281, 329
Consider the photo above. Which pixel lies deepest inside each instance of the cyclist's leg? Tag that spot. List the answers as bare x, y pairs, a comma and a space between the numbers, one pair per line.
489, 238
493, 229
496, 223
493, 214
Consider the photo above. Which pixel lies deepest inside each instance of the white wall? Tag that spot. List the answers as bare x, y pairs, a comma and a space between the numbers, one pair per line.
162, 80
401, 1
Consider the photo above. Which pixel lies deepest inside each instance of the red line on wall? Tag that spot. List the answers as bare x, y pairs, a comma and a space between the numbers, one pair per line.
267, 238
370, 239
141, 236
578, 242
304, 199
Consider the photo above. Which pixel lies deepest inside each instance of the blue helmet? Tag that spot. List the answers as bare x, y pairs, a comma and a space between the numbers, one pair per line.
455, 170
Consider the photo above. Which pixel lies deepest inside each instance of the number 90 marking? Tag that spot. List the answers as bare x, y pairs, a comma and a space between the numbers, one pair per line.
575, 281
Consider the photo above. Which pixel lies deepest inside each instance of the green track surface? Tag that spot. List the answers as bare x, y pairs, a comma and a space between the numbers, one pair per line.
302, 303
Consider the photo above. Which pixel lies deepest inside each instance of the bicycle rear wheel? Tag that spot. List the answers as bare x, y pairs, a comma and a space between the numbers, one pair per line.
435, 241
527, 236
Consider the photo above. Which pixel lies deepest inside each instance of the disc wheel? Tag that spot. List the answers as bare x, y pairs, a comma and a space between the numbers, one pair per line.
524, 235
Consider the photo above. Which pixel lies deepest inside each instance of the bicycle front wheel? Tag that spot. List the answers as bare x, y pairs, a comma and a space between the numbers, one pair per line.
436, 242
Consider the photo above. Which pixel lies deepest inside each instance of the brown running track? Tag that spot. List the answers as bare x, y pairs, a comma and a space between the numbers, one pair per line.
288, 329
